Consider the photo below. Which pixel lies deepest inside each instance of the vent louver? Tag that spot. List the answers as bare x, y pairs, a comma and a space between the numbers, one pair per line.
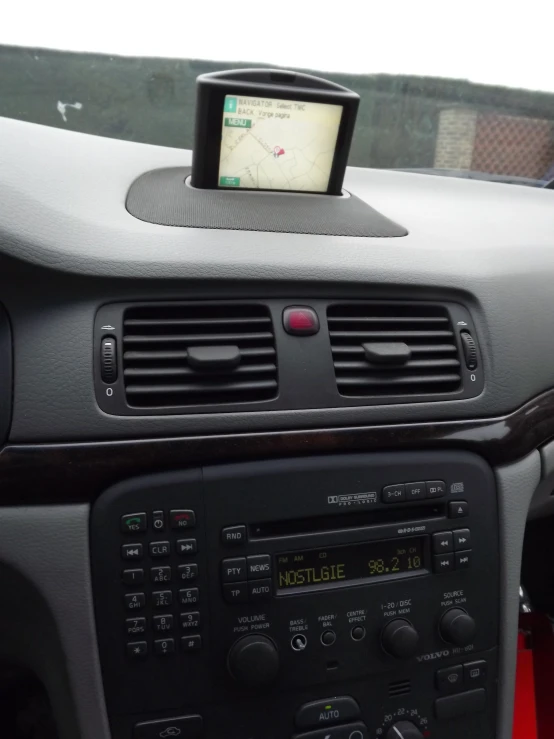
389, 349
198, 354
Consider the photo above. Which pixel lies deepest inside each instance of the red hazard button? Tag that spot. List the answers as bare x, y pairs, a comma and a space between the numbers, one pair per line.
299, 320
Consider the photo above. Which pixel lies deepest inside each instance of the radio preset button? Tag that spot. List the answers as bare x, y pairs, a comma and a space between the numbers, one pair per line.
326, 712
236, 592
394, 493
259, 590
443, 542
415, 491
435, 488
458, 509
443, 563
462, 539
259, 566
233, 570
234, 536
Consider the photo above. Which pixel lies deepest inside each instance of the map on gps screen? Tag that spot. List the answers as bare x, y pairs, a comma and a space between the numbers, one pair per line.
272, 144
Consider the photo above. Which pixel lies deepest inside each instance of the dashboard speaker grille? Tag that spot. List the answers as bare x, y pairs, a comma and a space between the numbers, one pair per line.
393, 349
198, 354
400, 687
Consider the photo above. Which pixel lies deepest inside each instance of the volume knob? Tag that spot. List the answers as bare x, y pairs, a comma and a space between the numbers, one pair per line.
400, 639
254, 660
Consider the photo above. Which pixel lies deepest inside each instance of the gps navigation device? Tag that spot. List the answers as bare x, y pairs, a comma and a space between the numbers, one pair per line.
264, 129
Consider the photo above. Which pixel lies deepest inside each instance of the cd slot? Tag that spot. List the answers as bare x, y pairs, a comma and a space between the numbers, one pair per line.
350, 520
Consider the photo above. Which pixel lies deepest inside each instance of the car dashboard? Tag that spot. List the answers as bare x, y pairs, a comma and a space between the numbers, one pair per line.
264, 475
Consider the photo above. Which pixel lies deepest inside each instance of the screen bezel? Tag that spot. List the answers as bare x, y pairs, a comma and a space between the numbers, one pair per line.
209, 122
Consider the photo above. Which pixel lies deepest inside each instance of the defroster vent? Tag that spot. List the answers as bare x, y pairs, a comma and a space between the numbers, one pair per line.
393, 349
198, 354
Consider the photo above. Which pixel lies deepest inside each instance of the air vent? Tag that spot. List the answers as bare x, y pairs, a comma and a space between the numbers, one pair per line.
400, 687
198, 354
389, 349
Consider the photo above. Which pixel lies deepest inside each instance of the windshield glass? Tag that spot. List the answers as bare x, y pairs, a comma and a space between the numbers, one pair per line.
464, 90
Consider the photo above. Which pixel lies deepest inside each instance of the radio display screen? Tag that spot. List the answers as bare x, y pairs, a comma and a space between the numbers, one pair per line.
333, 565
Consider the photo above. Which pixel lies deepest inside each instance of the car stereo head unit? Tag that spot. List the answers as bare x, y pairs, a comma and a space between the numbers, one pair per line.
351, 596
265, 129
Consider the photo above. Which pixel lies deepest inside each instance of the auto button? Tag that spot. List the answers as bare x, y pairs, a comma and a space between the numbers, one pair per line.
184, 727
326, 712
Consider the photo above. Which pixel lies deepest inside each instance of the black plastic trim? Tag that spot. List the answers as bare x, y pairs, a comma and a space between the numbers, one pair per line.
305, 363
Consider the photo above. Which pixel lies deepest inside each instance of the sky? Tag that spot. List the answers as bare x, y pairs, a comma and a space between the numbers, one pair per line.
487, 41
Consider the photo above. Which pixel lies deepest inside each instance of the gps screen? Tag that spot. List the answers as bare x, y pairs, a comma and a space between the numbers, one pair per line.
271, 144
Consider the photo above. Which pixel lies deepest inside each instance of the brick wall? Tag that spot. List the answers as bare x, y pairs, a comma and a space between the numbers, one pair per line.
455, 138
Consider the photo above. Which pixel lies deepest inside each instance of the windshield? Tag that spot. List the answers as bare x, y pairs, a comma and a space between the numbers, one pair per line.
464, 90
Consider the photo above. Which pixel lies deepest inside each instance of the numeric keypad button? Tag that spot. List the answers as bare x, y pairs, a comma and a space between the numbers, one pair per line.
160, 574
134, 601
187, 573
162, 598
162, 624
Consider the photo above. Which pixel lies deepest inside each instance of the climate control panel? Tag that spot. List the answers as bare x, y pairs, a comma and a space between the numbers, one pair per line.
288, 598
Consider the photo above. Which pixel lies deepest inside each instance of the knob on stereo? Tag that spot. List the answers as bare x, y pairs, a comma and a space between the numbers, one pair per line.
254, 660
457, 627
404, 730
400, 639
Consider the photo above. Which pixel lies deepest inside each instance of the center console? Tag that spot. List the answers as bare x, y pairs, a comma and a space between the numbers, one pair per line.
341, 597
